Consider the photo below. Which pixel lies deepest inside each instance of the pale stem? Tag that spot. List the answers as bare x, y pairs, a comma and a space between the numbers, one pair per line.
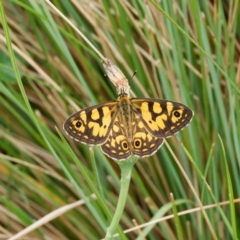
126, 170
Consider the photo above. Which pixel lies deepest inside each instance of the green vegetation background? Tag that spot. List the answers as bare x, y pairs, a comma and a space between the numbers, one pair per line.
182, 51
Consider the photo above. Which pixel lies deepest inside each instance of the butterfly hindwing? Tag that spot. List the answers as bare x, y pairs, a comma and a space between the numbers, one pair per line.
142, 143
117, 146
162, 118
92, 125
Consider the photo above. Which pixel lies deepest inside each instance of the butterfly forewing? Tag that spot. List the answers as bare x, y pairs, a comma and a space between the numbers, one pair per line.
162, 118
92, 125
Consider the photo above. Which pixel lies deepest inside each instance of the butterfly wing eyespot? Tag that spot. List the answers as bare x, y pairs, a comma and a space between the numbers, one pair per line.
125, 145
137, 143
92, 125
162, 118
78, 124
176, 114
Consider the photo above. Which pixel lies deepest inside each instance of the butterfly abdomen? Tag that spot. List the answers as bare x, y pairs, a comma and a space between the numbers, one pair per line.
126, 116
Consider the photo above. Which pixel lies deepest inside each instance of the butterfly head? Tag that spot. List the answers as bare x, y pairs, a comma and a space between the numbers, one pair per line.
122, 93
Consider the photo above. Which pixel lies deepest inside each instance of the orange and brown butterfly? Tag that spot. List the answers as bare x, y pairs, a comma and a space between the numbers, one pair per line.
128, 125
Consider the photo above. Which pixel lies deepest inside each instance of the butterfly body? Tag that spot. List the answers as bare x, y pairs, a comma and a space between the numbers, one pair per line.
128, 126
125, 116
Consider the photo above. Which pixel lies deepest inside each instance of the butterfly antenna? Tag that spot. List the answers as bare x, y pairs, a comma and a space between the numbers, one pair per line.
135, 72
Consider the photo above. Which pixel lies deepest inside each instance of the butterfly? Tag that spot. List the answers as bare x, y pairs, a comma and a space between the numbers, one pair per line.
128, 125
